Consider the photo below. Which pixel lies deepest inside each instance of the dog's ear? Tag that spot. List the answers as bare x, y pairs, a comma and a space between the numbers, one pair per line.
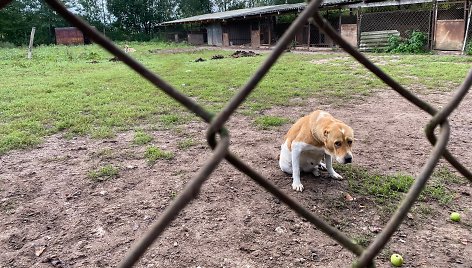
325, 133
325, 136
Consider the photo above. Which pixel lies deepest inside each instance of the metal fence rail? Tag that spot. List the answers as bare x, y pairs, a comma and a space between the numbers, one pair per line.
221, 151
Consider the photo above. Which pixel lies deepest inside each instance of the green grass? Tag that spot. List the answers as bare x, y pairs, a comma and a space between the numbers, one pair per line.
104, 154
445, 175
152, 154
185, 143
77, 91
384, 188
170, 120
173, 195
141, 138
104, 173
437, 185
387, 190
102, 132
362, 240
267, 121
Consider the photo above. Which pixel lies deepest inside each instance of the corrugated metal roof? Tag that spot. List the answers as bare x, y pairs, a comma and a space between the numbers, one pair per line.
69, 36
337, 2
246, 12
389, 3
240, 13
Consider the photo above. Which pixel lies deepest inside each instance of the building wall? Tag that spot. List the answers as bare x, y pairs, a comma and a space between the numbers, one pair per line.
69, 36
239, 32
195, 38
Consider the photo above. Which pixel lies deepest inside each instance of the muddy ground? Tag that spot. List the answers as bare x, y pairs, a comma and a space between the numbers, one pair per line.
54, 215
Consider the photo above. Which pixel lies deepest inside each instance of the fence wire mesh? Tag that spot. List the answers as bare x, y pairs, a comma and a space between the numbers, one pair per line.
450, 11
404, 21
221, 145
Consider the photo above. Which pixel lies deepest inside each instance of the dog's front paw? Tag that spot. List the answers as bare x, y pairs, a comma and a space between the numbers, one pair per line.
297, 187
335, 175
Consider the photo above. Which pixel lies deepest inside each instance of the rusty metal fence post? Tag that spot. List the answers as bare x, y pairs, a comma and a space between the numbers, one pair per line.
221, 150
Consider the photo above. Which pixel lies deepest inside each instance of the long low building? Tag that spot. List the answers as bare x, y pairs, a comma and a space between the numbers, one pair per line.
365, 24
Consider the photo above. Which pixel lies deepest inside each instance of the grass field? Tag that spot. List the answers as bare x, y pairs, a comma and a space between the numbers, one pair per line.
78, 91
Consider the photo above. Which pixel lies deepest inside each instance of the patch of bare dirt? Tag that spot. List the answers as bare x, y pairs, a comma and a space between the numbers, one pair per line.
175, 50
54, 215
328, 60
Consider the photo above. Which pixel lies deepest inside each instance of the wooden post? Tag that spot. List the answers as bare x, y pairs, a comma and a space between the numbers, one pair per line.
339, 23
270, 29
433, 29
309, 35
359, 24
30, 47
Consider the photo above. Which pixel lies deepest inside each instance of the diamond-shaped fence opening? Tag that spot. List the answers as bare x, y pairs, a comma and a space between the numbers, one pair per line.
221, 151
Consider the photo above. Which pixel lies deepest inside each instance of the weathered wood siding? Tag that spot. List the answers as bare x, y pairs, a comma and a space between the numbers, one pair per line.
375, 40
195, 38
69, 36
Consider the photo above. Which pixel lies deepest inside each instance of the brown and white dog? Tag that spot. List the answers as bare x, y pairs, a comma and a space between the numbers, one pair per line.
314, 137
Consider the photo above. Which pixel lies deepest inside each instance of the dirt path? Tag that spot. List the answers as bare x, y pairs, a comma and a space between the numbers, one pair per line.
53, 215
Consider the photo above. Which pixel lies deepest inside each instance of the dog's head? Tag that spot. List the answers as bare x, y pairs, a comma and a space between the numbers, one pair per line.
338, 139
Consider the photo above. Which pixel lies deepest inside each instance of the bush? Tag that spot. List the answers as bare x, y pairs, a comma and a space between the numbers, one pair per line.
468, 48
415, 43
393, 43
6, 45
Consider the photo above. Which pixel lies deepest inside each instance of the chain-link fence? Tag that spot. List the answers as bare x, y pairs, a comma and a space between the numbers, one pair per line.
404, 21
451, 11
444, 21
220, 146
449, 25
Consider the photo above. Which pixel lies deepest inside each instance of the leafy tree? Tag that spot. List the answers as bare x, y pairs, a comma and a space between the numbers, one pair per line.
45, 20
13, 23
94, 11
188, 8
138, 19
17, 19
258, 3
224, 5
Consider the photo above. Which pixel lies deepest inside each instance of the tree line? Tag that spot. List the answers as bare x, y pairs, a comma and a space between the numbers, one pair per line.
118, 19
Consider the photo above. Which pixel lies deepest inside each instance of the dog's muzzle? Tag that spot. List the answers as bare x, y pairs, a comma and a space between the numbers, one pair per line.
347, 159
